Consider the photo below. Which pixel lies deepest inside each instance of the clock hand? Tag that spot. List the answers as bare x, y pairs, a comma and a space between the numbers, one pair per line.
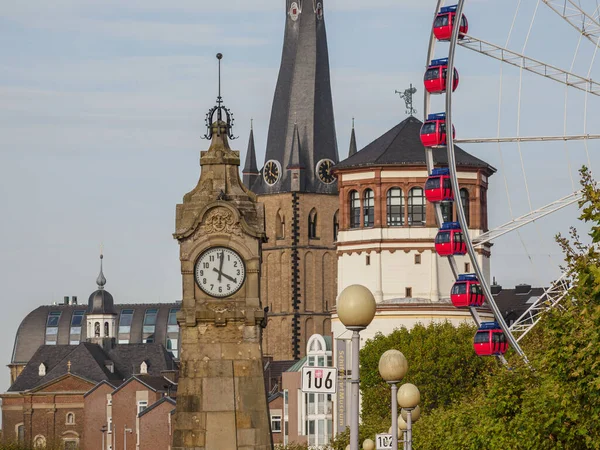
221, 265
230, 278
219, 272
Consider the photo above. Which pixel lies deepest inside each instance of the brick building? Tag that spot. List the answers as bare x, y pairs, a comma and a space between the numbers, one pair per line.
64, 352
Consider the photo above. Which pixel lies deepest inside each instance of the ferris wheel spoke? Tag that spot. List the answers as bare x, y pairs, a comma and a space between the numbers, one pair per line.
530, 64
574, 137
572, 13
526, 219
551, 298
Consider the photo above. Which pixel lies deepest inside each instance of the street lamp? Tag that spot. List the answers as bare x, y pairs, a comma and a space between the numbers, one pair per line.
355, 308
408, 399
392, 368
103, 430
402, 427
368, 444
125, 431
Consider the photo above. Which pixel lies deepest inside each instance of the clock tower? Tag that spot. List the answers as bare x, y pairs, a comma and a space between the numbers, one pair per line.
220, 226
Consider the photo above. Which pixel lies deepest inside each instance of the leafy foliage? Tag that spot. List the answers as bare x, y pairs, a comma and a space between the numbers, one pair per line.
557, 404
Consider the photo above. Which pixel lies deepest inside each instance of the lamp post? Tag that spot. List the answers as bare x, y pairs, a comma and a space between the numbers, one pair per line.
125, 431
355, 308
392, 368
402, 427
103, 430
408, 399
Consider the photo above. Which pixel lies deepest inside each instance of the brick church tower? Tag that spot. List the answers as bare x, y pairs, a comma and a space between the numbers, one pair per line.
299, 192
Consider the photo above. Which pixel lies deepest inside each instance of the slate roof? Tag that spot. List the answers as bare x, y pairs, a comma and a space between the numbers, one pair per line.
402, 146
89, 361
514, 302
250, 164
31, 333
302, 97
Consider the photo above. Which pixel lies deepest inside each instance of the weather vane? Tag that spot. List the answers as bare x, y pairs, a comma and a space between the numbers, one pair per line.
407, 96
219, 109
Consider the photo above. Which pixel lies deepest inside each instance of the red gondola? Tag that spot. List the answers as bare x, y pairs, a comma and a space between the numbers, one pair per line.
444, 21
450, 240
435, 77
467, 291
433, 131
438, 187
490, 340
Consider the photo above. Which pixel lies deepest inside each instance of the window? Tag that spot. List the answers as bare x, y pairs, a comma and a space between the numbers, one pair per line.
276, 424
312, 224
408, 292
173, 333
42, 370
443, 237
70, 419
369, 208
368, 260
106, 329
482, 337
39, 442
441, 21
446, 208
395, 207
52, 327
428, 128
354, 210
483, 200
280, 226
464, 200
125, 321
417, 258
416, 207
149, 326
75, 332
141, 406
20, 432
459, 288
336, 225
467, 267
432, 74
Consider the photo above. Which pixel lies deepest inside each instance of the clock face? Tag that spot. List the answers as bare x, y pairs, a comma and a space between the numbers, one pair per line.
272, 172
324, 171
220, 272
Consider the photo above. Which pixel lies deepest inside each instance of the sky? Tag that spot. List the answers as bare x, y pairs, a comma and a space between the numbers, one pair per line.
102, 106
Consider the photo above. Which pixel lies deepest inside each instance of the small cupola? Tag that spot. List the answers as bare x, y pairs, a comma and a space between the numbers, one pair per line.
101, 301
101, 315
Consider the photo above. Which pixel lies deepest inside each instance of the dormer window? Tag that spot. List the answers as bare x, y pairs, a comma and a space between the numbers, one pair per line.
110, 366
143, 368
42, 370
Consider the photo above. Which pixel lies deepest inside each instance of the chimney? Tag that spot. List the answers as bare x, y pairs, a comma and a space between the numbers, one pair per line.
74, 300
66, 299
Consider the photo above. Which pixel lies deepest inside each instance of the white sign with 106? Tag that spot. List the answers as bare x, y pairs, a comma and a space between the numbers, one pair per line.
319, 380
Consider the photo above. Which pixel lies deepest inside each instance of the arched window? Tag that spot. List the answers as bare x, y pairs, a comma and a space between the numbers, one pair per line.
280, 226
416, 207
354, 210
336, 225
446, 208
312, 224
97, 329
70, 418
395, 207
106, 329
369, 208
39, 441
464, 199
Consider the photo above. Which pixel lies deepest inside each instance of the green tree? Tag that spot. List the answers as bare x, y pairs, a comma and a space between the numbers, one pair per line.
555, 403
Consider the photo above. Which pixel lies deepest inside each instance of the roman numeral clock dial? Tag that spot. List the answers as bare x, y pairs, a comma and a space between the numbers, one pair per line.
324, 171
220, 272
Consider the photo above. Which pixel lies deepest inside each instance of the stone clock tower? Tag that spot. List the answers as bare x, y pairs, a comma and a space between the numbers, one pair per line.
220, 226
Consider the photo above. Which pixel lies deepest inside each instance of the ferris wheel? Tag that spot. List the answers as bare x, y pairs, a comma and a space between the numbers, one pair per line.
450, 35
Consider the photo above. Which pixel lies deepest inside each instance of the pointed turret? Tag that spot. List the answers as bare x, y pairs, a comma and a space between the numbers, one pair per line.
250, 171
303, 101
353, 148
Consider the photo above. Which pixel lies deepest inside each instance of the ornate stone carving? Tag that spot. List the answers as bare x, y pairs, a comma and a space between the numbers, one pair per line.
219, 220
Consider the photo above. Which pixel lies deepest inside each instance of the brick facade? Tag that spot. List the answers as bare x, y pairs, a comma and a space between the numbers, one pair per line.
316, 271
156, 427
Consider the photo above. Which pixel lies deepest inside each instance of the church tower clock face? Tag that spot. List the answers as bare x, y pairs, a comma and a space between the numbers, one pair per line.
272, 172
220, 272
324, 171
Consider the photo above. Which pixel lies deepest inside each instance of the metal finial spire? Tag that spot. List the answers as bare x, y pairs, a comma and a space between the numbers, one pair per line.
353, 123
407, 96
101, 281
251, 124
219, 109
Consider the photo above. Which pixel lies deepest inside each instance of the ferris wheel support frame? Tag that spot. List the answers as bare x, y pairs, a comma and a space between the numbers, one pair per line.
456, 188
431, 165
496, 140
574, 16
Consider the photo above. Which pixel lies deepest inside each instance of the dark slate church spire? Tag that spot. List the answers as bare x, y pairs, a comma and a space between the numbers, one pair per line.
250, 171
353, 148
303, 100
